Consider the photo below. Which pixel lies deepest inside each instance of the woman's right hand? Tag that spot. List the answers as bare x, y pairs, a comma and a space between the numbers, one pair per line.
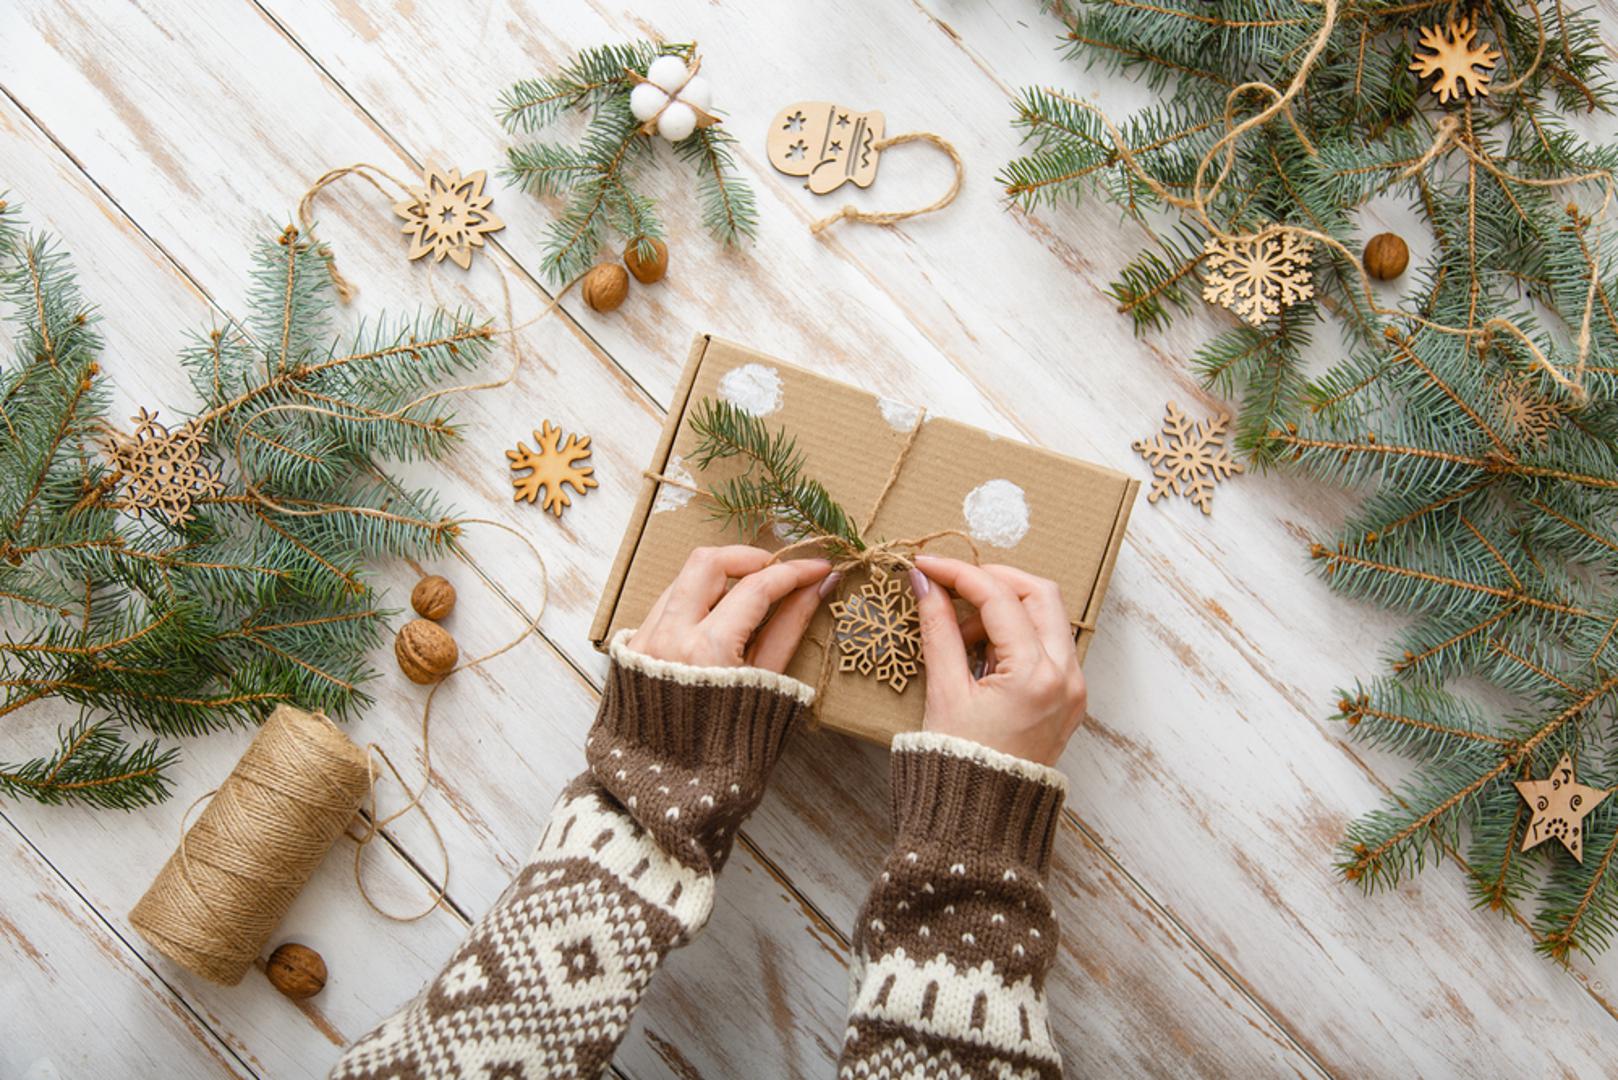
1031, 698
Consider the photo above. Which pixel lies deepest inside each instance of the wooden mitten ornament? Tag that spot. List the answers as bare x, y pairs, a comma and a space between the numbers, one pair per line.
826, 142
830, 145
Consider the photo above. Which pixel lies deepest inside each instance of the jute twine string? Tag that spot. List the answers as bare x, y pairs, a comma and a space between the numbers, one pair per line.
238, 869
851, 212
1447, 133
302, 781
887, 556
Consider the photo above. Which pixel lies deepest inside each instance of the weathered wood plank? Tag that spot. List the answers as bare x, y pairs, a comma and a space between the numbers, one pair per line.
76, 1000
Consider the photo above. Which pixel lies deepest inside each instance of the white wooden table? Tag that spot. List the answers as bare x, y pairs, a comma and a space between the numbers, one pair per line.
1204, 931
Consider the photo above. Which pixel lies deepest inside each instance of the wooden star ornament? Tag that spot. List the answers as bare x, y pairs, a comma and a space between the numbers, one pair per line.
1560, 804
448, 215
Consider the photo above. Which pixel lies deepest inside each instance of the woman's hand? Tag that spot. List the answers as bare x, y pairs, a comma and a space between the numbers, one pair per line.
702, 621
1031, 697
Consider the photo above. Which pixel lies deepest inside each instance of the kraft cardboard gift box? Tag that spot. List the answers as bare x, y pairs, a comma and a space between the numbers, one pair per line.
1048, 514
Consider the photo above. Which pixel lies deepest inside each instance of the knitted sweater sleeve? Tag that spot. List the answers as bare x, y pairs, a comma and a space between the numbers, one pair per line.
546, 982
956, 937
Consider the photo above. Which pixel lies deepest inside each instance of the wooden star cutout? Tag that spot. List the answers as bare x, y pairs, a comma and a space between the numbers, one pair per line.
1560, 804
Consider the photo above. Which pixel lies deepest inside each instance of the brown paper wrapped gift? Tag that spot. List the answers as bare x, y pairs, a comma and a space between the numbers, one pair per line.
1048, 514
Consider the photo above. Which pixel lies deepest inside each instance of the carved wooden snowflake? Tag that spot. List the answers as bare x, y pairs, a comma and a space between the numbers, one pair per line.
1529, 416
1188, 458
447, 215
1458, 63
163, 471
1257, 276
878, 632
555, 463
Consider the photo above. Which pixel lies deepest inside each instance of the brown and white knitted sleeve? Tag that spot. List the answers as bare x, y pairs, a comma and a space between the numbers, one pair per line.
956, 936
546, 982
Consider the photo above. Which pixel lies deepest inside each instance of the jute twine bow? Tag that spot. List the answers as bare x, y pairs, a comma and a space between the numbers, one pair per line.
851, 212
1451, 130
887, 556
271, 822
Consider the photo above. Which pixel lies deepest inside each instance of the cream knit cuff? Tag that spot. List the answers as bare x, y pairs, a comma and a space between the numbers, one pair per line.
955, 746
691, 675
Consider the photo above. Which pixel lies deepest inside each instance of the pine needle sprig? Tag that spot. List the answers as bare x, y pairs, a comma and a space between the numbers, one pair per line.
176, 628
773, 489
1478, 419
599, 179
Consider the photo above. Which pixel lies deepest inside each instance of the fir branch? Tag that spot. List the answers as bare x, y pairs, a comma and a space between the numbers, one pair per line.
597, 179
773, 488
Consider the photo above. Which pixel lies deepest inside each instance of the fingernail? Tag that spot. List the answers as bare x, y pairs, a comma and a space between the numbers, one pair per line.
919, 583
829, 582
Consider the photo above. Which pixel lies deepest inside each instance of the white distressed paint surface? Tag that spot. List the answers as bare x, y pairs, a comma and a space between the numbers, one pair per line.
673, 496
1204, 933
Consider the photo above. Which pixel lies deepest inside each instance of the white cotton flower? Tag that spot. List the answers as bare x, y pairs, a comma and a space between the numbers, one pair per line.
671, 98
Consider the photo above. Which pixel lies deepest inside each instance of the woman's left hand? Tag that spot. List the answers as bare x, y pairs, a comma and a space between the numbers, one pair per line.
703, 621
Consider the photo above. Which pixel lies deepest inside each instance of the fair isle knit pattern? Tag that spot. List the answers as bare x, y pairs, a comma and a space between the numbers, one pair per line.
956, 937
951, 951
545, 984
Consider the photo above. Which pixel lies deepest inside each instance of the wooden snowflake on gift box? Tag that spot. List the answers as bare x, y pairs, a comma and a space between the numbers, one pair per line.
1188, 458
163, 471
554, 464
447, 215
1257, 276
878, 632
1458, 63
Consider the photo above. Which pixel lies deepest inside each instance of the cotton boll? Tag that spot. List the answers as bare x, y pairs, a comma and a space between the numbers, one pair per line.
678, 121
697, 92
668, 72
645, 100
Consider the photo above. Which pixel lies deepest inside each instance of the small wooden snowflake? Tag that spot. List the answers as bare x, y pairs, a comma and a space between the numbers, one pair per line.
554, 464
1188, 458
448, 215
1529, 416
1256, 276
1452, 56
163, 471
878, 632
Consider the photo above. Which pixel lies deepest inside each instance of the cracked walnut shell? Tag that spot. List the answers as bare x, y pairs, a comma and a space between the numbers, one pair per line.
433, 597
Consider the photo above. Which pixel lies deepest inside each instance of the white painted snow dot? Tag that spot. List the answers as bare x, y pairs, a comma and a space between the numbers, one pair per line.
670, 497
899, 415
996, 513
753, 388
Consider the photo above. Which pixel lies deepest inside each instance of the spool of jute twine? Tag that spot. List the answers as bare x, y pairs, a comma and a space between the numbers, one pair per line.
254, 847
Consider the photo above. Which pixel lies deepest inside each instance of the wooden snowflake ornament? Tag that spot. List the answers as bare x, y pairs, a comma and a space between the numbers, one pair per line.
163, 471
550, 467
1528, 416
448, 215
1451, 55
1188, 458
878, 632
1257, 276
1560, 804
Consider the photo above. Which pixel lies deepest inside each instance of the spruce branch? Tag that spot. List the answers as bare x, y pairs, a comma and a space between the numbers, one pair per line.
772, 489
1478, 420
598, 179
261, 597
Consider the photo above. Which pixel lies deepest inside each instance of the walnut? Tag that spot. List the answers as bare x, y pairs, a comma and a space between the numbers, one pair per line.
425, 651
1386, 256
433, 597
606, 286
296, 970
648, 270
